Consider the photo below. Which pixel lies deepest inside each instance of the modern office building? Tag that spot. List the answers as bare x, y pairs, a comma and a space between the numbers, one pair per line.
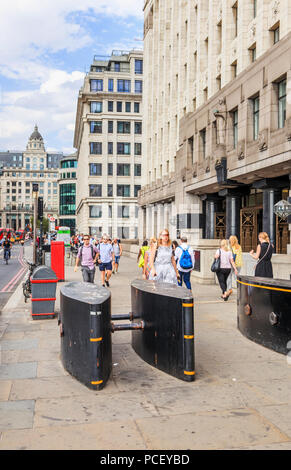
67, 192
108, 139
217, 121
19, 171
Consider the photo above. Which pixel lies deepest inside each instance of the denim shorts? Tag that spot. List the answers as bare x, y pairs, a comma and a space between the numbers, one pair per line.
105, 266
117, 258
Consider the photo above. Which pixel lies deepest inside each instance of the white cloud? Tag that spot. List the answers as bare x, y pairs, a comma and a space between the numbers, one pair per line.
31, 32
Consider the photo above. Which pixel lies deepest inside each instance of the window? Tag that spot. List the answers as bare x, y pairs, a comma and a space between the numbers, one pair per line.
67, 199
128, 107
138, 66
110, 127
110, 169
138, 127
110, 84
234, 115
137, 188
123, 127
96, 127
256, 113
110, 190
95, 169
235, 18
110, 212
123, 169
96, 106
95, 190
255, 8
96, 85
276, 33
110, 148
123, 212
138, 86
110, 106
123, 86
95, 212
137, 148
281, 103
123, 232
123, 190
203, 142
123, 148
96, 148
136, 107
119, 106
137, 169
253, 53
116, 66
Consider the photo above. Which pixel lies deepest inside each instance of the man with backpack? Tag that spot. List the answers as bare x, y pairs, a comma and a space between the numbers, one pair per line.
185, 262
87, 255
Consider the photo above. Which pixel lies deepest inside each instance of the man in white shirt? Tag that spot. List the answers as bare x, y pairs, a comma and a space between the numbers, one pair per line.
105, 258
185, 262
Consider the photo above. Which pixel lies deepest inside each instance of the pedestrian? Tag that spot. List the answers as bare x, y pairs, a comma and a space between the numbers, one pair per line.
162, 261
263, 255
105, 259
175, 245
141, 253
117, 249
184, 257
236, 250
87, 255
146, 267
226, 262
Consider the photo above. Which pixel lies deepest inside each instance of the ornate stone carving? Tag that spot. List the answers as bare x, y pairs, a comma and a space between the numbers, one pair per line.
263, 140
241, 150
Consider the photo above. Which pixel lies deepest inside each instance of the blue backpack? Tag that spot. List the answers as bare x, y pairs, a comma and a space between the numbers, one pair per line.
185, 260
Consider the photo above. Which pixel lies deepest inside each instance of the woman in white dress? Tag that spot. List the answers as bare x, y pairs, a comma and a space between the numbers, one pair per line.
162, 262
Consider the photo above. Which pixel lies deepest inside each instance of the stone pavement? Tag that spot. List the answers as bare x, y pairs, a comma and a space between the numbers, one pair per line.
240, 399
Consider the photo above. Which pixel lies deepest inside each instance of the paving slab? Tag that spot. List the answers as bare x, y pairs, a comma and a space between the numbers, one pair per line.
25, 370
118, 435
16, 414
228, 429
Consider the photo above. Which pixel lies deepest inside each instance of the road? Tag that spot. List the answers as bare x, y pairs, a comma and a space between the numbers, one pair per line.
11, 274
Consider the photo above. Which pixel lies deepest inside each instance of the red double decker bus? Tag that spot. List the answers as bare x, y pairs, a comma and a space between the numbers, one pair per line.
5, 232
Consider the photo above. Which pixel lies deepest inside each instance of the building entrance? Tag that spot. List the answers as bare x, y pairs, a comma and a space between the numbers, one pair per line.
251, 221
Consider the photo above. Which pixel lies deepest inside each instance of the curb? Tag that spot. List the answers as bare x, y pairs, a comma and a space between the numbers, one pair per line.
14, 300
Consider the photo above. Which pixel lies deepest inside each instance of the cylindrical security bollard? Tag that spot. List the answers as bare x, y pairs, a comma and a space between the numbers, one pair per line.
188, 322
85, 329
43, 293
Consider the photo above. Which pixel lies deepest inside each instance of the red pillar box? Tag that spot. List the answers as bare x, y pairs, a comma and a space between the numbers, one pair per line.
58, 259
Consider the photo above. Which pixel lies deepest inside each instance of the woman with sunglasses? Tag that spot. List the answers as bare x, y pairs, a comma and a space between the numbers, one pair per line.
162, 262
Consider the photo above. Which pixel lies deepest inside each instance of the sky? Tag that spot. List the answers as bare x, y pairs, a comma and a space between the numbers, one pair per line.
46, 47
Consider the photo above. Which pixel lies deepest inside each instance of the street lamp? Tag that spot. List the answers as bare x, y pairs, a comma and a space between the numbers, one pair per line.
34, 196
282, 209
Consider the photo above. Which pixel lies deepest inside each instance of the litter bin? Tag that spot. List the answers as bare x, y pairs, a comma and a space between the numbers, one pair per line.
43, 293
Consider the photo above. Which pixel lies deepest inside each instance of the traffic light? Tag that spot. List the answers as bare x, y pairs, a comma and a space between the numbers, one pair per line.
40, 207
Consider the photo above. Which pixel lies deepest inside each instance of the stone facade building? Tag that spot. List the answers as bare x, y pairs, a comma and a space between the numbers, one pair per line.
217, 125
19, 170
108, 139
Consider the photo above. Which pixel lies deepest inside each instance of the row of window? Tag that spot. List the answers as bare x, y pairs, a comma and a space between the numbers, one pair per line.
122, 127
123, 212
123, 86
122, 148
122, 232
116, 66
122, 169
255, 107
123, 190
97, 106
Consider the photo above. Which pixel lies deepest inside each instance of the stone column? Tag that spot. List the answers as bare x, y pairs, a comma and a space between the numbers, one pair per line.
233, 203
210, 219
270, 197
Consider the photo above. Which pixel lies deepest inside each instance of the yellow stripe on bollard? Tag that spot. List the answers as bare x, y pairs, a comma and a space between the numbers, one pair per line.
187, 305
97, 383
94, 340
189, 336
186, 372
